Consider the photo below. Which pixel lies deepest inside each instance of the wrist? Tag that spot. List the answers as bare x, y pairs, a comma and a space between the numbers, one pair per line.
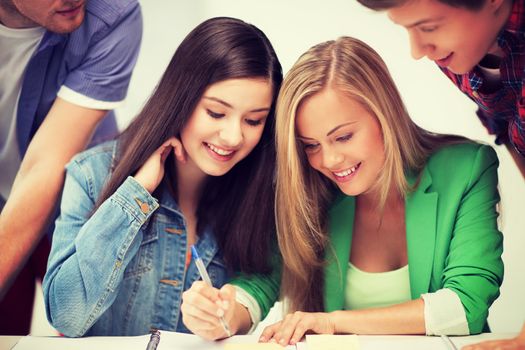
342, 321
143, 183
334, 318
241, 322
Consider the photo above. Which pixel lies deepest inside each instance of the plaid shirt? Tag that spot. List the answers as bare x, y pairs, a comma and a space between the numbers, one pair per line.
502, 112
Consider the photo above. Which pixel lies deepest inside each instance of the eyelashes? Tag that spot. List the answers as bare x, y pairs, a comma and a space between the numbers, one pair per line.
254, 122
313, 147
214, 115
250, 122
428, 29
344, 137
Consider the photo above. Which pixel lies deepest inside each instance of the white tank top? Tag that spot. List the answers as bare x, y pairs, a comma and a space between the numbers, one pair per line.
376, 289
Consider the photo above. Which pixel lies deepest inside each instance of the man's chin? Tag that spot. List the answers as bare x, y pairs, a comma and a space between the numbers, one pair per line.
459, 70
65, 26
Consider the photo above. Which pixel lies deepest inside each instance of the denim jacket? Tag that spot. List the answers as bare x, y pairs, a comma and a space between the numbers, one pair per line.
120, 270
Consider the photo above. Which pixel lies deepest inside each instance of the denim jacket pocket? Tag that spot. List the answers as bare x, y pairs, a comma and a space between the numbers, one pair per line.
143, 260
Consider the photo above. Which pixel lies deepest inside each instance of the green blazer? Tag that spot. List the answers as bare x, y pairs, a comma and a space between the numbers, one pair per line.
452, 236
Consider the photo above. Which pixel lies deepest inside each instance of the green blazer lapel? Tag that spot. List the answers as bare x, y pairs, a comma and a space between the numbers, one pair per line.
341, 223
420, 214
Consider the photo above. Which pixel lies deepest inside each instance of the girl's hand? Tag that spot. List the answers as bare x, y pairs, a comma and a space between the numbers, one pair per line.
293, 327
202, 306
151, 173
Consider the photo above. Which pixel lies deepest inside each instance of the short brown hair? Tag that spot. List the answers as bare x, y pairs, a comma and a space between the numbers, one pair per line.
380, 5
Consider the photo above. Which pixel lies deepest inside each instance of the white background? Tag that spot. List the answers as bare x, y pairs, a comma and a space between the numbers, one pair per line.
433, 102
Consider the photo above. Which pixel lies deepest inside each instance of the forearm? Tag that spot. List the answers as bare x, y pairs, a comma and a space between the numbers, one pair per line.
25, 216
473, 265
405, 318
65, 131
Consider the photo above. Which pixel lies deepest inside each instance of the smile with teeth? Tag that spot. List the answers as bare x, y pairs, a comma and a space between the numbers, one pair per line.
347, 171
219, 151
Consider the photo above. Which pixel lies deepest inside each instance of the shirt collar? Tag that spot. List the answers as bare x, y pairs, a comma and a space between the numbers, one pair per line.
508, 40
516, 18
507, 37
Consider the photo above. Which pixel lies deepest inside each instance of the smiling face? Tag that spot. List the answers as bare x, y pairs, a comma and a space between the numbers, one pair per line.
59, 16
453, 37
227, 124
341, 139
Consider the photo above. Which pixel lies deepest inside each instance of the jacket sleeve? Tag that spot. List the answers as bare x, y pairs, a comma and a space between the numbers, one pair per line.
263, 288
474, 268
90, 251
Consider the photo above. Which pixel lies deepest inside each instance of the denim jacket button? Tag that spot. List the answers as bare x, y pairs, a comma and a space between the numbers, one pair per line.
144, 207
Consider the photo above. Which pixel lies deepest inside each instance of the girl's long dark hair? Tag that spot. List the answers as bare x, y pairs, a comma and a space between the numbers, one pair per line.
238, 207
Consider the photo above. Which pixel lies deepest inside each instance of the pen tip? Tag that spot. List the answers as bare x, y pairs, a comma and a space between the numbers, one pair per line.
194, 252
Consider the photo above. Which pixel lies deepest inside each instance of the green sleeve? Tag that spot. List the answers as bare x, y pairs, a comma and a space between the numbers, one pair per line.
474, 269
263, 288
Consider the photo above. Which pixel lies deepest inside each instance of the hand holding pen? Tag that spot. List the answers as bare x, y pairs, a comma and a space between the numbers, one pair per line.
206, 278
205, 309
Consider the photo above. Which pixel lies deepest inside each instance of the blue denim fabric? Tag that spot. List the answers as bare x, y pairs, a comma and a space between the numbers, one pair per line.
105, 270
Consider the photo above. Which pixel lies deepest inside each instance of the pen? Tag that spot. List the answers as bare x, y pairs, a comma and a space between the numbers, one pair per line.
154, 340
450, 345
206, 278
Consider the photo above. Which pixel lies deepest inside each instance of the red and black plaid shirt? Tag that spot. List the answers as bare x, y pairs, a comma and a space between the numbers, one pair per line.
502, 112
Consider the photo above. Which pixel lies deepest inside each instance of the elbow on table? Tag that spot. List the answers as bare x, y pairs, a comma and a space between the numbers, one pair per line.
70, 324
477, 322
68, 319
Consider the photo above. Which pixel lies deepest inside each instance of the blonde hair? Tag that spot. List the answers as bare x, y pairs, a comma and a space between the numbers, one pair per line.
303, 195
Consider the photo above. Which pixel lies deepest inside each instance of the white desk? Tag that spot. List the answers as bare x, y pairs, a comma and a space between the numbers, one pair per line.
171, 340
7, 342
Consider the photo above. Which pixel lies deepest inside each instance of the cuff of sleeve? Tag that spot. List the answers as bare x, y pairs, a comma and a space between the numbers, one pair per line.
78, 99
245, 299
444, 313
135, 199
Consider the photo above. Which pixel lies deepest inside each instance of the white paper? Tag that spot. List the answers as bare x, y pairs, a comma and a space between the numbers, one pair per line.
462, 341
332, 342
180, 341
87, 343
168, 341
400, 342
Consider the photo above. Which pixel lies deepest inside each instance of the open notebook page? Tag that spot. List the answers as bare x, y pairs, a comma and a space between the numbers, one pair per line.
168, 341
